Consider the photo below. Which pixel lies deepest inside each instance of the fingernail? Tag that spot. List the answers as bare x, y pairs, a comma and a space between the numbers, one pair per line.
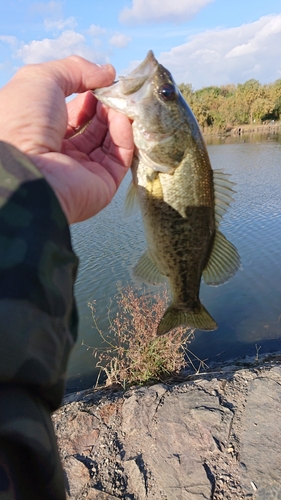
106, 66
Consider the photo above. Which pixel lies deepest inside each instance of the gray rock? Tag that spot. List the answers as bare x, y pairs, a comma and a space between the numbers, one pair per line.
77, 477
215, 436
94, 494
261, 438
78, 431
136, 478
170, 430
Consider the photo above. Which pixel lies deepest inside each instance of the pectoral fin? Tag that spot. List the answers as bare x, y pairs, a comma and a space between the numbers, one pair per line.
147, 271
223, 262
157, 167
175, 317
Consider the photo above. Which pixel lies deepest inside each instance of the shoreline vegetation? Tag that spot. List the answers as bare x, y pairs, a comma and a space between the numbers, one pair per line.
131, 352
236, 109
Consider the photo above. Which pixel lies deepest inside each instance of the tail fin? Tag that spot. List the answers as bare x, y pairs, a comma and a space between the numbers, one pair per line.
174, 317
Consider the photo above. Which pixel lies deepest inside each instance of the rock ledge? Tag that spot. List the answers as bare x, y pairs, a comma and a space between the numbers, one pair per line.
214, 436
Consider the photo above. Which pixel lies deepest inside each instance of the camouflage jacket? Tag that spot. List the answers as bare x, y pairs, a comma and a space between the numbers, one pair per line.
38, 323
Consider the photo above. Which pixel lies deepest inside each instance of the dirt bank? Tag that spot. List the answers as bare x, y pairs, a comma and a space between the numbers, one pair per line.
216, 435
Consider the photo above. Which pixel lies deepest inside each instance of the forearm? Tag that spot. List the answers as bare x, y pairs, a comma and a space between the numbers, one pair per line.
38, 325
38, 318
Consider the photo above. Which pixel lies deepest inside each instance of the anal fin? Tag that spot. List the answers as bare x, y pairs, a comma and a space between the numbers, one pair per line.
147, 271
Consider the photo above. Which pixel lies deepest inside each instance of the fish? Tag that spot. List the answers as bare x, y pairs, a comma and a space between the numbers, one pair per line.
181, 198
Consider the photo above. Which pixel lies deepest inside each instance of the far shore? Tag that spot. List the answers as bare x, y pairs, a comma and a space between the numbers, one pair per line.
240, 130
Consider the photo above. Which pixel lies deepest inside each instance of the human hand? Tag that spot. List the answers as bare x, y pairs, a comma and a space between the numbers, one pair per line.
86, 169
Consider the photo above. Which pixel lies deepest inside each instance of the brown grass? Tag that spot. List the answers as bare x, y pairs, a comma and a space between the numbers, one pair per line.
133, 354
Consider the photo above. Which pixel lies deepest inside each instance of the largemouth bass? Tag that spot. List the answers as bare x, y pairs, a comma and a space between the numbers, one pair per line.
181, 198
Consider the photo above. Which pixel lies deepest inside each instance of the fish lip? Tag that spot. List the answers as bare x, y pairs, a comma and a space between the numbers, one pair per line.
126, 86
146, 67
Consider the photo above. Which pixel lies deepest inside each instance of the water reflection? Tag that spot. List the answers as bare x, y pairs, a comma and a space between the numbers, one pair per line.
247, 308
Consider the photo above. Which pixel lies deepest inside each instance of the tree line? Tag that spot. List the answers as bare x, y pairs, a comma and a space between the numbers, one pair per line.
228, 106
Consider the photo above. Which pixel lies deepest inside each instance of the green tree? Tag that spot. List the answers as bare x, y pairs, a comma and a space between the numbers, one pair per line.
262, 109
201, 111
275, 91
247, 93
230, 105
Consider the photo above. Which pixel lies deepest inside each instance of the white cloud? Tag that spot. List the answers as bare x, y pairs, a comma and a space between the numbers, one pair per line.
261, 32
95, 30
120, 40
68, 43
60, 24
233, 55
151, 11
10, 40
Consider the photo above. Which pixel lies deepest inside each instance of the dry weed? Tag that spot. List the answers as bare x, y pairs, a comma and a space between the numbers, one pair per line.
133, 354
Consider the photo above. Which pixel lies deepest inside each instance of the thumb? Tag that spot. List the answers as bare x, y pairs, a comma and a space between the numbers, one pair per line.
75, 74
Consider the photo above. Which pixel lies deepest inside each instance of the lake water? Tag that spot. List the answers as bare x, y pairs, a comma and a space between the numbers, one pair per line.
247, 308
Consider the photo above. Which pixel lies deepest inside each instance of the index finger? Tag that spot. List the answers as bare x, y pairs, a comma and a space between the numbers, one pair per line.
80, 111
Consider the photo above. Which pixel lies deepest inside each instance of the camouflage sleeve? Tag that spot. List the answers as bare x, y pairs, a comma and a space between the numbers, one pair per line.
38, 325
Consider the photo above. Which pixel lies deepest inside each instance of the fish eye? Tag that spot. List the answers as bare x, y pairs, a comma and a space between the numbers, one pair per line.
167, 92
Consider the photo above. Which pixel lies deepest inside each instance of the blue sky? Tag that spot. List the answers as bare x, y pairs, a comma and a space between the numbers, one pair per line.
202, 42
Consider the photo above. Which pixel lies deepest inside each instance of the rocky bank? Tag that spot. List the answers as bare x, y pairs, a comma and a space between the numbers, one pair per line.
215, 435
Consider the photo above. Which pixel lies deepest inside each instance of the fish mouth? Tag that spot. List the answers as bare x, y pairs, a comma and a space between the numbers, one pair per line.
124, 94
